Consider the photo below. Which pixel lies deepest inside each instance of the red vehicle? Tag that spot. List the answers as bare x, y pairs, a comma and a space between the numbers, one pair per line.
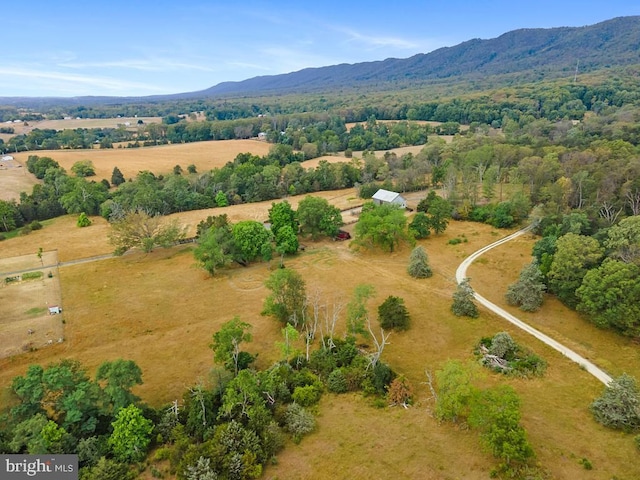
342, 235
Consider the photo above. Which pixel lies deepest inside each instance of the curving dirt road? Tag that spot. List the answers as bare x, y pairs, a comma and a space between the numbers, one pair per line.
461, 274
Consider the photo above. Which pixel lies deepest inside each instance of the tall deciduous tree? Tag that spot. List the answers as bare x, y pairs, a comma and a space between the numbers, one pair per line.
139, 229
287, 300
8, 214
282, 215
575, 255
318, 218
381, 226
131, 435
226, 343
215, 249
251, 239
623, 239
119, 377
610, 296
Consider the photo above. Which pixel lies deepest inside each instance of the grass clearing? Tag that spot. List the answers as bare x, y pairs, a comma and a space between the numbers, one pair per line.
161, 311
159, 160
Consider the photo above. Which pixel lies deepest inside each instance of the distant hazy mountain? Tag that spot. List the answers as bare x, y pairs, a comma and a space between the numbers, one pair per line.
528, 52
611, 43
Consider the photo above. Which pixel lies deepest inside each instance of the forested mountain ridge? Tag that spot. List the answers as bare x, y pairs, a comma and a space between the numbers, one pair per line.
528, 55
535, 52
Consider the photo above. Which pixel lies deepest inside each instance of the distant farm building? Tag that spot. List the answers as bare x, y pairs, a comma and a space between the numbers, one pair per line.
262, 136
6, 158
54, 310
382, 197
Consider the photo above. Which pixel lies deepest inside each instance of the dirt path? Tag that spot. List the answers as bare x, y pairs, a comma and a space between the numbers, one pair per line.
461, 274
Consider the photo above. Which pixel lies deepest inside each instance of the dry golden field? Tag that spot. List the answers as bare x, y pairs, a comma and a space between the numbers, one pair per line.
14, 178
160, 310
159, 160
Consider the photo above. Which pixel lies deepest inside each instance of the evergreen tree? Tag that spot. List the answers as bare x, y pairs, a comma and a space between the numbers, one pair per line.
463, 301
419, 263
528, 291
116, 177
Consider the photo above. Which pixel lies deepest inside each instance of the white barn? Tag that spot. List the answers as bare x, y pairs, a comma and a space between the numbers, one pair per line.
385, 196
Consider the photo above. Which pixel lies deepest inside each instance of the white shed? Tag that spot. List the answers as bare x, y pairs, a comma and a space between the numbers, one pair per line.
55, 310
385, 196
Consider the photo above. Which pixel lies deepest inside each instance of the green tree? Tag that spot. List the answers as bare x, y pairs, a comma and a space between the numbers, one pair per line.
226, 343
439, 213
286, 242
250, 238
139, 229
463, 304
357, 314
318, 218
83, 196
619, 405
221, 199
215, 249
381, 226
623, 240
83, 168
27, 435
420, 226
119, 377
107, 469
117, 178
131, 435
282, 215
83, 220
455, 391
528, 291
393, 314
610, 296
8, 215
496, 412
419, 263
575, 255
286, 302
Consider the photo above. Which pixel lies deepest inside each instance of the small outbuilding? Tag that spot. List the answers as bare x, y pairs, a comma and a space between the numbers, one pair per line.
6, 158
54, 310
385, 196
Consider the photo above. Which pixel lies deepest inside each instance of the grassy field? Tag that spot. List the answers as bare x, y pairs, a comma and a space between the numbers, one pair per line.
160, 310
159, 160
14, 178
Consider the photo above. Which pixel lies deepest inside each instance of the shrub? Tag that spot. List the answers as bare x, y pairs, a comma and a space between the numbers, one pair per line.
83, 220
35, 225
463, 301
393, 314
619, 405
298, 421
307, 396
337, 382
32, 275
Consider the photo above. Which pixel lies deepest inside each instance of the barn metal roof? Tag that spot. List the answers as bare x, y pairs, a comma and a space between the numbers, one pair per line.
385, 195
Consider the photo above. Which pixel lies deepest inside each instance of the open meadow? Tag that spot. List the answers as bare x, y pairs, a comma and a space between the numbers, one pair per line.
159, 160
160, 310
15, 178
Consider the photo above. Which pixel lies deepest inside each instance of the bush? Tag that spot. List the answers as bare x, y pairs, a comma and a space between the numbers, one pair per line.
337, 382
83, 220
35, 225
298, 421
393, 314
619, 405
307, 396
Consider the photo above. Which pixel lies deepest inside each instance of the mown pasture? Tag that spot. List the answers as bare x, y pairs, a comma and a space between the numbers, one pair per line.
160, 310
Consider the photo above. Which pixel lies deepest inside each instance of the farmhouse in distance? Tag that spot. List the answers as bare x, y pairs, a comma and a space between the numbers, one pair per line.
383, 196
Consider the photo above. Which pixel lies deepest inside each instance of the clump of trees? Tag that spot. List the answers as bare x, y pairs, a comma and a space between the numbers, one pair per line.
144, 231
619, 405
382, 226
493, 412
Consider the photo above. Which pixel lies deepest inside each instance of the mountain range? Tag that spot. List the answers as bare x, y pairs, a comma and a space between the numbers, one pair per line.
530, 53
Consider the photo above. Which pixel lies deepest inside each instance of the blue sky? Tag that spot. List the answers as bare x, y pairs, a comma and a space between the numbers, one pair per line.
141, 47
